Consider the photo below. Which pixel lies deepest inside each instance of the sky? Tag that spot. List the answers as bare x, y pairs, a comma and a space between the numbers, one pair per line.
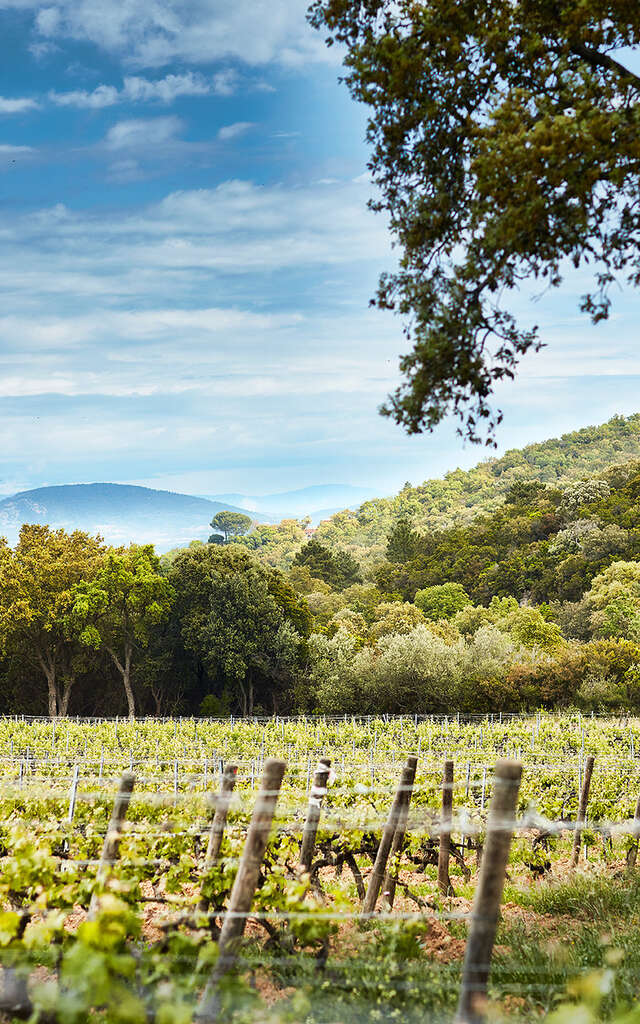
186, 259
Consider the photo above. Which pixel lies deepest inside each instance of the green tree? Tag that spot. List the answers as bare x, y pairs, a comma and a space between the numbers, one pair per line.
505, 142
37, 581
402, 542
230, 524
614, 601
120, 607
242, 620
442, 602
338, 568
396, 617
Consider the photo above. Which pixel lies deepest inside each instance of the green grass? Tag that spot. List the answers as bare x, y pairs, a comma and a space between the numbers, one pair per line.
595, 895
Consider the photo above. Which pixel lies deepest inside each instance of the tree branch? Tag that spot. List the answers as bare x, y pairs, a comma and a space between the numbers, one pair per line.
604, 61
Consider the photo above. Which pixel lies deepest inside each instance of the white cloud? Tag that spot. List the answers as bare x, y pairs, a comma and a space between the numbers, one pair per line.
153, 33
6, 150
232, 131
102, 96
166, 89
141, 90
48, 20
139, 133
225, 83
17, 106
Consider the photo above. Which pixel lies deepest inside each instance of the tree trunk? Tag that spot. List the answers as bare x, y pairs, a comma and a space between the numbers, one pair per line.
49, 668
53, 697
125, 671
64, 699
126, 679
250, 697
244, 699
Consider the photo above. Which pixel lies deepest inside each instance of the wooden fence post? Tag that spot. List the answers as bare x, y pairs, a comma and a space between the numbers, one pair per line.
632, 852
316, 796
582, 810
218, 823
391, 876
377, 875
73, 793
244, 886
444, 882
112, 839
488, 895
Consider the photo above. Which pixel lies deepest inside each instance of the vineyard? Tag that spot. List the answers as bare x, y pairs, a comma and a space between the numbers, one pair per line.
318, 870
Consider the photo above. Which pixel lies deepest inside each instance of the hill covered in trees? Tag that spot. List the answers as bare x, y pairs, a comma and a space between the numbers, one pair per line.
526, 596
463, 494
460, 496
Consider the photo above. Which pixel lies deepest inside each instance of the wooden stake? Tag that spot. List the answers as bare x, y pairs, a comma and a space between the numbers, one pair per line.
377, 875
632, 852
488, 895
73, 793
218, 823
391, 876
582, 810
112, 839
244, 886
316, 796
444, 882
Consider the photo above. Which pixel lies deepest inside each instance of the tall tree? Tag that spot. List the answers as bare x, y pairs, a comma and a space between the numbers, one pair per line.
506, 145
242, 620
37, 584
121, 605
402, 542
338, 568
230, 524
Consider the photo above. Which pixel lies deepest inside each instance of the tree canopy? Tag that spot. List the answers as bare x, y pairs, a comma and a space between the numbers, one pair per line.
338, 568
119, 607
506, 147
241, 620
230, 524
37, 585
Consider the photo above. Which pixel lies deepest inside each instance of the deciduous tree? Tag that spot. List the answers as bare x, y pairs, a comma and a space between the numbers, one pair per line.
37, 585
506, 146
120, 606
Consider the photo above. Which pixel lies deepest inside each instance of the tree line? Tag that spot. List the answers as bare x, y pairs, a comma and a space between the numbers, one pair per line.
92, 629
534, 604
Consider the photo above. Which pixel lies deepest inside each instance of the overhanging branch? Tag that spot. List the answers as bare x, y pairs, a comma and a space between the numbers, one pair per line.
604, 61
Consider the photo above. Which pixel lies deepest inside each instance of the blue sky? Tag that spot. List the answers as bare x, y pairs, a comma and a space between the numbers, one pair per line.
187, 260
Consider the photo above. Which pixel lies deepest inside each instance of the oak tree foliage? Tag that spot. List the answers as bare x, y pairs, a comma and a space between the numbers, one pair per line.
505, 147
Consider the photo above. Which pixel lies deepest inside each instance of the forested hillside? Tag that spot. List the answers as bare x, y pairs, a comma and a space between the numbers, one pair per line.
463, 494
460, 495
516, 592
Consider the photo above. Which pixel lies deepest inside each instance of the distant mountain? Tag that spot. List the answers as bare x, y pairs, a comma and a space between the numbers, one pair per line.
318, 501
119, 512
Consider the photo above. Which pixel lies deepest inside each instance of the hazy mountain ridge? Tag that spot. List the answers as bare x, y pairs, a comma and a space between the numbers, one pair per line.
317, 501
121, 513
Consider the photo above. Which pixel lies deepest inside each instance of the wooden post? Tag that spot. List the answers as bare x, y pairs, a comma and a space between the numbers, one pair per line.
73, 793
244, 886
316, 796
488, 895
112, 839
218, 823
391, 876
377, 875
632, 853
444, 883
582, 810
